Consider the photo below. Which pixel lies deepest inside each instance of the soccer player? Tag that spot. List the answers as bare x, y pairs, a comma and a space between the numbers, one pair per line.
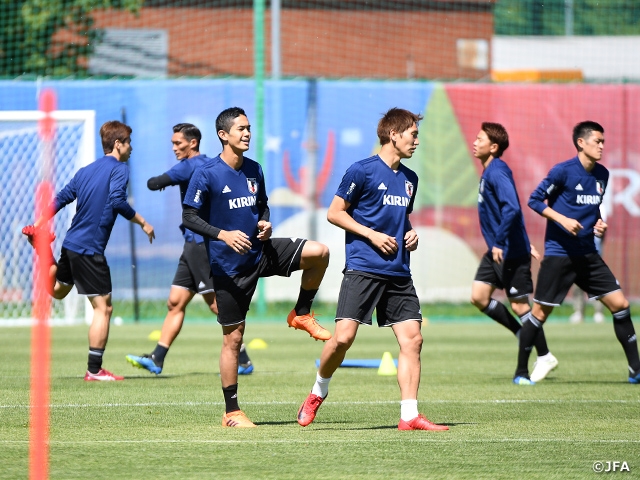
101, 193
573, 191
193, 274
507, 263
579, 301
372, 205
226, 203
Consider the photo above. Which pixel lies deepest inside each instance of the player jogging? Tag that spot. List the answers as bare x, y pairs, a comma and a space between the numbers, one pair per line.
372, 205
507, 263
193, 274
573, 191
227, 204
100, 192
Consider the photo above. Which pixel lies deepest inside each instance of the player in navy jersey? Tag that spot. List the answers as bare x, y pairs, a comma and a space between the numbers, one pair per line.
100, 191
573, 191
507, 263
193, 274
372, 205
226, 202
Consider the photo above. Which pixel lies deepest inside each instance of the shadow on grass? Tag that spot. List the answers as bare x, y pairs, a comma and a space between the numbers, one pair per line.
287, 422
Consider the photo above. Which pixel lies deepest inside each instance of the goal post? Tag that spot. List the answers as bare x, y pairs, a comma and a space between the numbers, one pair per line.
21, 154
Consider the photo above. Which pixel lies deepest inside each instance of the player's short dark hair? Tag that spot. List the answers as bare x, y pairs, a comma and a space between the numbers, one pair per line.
398, 120
226, 117
190, 132
584, 129
111, 131
497, 134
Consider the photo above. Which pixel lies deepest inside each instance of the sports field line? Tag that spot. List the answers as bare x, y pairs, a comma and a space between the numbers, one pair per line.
441, 439
387, 402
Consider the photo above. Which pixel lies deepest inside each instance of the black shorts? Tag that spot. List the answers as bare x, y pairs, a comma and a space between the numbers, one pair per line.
194, 272
394, 299
280, 256
89, 273
513, 275
557, 274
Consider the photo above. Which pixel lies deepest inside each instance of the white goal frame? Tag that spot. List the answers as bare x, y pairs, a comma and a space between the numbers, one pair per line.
84, 156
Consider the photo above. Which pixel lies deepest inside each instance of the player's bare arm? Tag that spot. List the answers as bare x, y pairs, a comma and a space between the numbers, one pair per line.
497, 254
146, 227
535, 253
410, 238
338, 216
264, 230
569, 224
600, 228
237, 240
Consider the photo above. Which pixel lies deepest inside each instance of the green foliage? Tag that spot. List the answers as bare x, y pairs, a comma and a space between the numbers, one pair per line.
590, 17
28, 45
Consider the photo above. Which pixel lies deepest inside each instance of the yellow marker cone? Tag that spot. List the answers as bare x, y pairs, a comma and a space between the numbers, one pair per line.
257, 344
387, 367
154, 336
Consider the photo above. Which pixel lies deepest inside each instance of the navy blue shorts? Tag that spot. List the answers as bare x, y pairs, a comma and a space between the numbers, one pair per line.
557, 274
89, 273
513, 275
280, 256
394, 299
194, 272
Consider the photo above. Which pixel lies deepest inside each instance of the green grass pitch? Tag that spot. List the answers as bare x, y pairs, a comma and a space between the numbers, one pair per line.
168, 427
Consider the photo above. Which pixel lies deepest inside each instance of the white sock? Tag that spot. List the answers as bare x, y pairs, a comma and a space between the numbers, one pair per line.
321, 387
408, 409
545, 357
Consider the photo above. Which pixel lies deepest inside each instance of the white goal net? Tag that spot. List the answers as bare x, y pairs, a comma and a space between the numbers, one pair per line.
20, 171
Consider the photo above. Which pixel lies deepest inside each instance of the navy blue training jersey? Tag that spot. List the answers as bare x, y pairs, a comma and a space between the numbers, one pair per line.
380, 199
226, 198
101, 192
501, 220
575, 193
180, 175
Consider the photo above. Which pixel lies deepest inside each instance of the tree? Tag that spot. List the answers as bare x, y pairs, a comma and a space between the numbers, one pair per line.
590, 17
51, 37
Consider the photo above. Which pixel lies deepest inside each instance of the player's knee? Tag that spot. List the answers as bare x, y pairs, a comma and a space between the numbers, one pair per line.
412, 344
520, 308
57, 294
317, 251
479, 301
619, 306
171, 304
343, 342
175, 305
60, 291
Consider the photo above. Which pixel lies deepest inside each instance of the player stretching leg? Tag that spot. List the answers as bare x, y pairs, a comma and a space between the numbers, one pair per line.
507, 263
226, 203
573, 191
372, 205
193, 274
101, 193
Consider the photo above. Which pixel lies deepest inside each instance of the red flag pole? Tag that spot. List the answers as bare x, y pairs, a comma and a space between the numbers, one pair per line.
40, 333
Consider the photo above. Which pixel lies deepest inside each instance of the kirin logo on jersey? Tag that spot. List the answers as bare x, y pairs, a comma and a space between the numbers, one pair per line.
600, 187
252, 185
408, 187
